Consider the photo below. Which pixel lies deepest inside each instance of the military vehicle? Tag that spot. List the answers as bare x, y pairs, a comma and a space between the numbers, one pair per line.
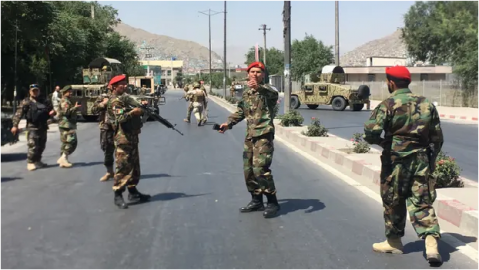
149, 94
331, 90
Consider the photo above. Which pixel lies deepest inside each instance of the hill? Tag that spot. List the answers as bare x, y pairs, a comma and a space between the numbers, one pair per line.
194, 55
389, 46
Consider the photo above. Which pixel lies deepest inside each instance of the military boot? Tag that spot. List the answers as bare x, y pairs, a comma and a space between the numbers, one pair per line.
391, 245
31, 166
135, 196
256, 204
432, 254
63, 161
119, 200
109, 174
186, 120
40, 164
272, 207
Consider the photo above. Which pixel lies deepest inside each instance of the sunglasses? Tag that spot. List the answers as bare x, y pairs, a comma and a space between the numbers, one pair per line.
34, 86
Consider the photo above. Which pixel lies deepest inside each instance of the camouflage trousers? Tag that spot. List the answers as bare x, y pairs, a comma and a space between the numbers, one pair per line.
189, 109
107, 146
36, 142
406, 186
127, 171
69, 140
257, 158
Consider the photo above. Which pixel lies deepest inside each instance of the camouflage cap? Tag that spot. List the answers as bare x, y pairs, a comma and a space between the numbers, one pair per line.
66, 88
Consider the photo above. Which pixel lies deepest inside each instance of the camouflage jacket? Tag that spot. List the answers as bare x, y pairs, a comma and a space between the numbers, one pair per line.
257, 106
125, 125
101, 109
22, 111
410, 123
68, 115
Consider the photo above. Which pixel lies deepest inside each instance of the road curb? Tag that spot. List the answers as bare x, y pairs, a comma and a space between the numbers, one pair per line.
458, 117
449, 209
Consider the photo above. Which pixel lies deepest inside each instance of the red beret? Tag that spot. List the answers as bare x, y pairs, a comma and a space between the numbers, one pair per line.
400, 72
256, 64
117, 79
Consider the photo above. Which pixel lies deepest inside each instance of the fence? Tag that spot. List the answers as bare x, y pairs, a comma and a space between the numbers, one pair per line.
443, 92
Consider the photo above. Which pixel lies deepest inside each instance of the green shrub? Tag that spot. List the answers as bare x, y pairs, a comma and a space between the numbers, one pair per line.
315, 129
447, 172
359, 144
292, 119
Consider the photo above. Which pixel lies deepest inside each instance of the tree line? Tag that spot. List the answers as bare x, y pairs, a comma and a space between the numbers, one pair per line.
55, 40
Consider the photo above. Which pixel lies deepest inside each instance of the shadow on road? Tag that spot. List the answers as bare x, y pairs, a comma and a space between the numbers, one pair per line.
7, 179
86, 164
168, 197
292, 205
146, 176
13, 157
444, 249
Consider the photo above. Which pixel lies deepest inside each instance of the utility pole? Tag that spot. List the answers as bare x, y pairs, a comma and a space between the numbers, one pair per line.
287, 55
224, 56
209, 14
336, 7
92, 11
263, 27
147, 56
15, 77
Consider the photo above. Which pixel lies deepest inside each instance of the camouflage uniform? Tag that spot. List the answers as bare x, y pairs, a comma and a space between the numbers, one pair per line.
67, 125
233, 90
256, 107
189, 109
410, 123
106, 136
198, 99
37, 129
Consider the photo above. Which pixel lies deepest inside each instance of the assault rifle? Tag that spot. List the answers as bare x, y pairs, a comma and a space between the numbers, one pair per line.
150, 113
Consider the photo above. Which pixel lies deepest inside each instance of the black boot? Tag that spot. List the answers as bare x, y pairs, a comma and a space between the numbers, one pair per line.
256, 204
119, 200
135, 196
272, 207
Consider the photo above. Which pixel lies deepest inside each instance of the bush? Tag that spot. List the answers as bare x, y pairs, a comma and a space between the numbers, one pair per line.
292, 118
447, 172
315, 129
359, 144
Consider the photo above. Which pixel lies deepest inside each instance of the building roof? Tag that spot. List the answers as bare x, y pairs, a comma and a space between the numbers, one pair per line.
162, 63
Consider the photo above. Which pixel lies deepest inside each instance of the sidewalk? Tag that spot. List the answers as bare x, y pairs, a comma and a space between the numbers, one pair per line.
456, 206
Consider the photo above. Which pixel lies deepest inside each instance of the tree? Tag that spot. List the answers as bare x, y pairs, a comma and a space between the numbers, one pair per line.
309, 56
444, 33
274, 59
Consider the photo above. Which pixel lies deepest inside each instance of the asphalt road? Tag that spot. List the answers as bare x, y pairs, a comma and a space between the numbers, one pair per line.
461, 139
65, 218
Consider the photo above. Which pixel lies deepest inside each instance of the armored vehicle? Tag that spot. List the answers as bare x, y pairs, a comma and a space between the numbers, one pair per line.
154, 98
331, 90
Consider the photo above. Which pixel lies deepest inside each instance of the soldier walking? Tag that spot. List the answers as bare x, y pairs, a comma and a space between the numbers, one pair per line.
205, 109
67, 124
189, 109
257, 107
37, 111
106, 134
127, 126
412, 126
197, 96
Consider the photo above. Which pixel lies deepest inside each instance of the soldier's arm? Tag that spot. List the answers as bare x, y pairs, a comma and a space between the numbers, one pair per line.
268, 92
98, 106
237, 116
374, 127
67, 108
435, 131
120, 111
21, 110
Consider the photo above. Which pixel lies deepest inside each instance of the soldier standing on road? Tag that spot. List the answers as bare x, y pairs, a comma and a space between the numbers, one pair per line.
127, 126
67, 124
411, 124
257, 107
205, 109
189, 109
56, 100
106, 134
197, 96
36, 110
232, 89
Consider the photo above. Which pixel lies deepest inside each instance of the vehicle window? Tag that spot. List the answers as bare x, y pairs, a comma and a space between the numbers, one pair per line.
308, 87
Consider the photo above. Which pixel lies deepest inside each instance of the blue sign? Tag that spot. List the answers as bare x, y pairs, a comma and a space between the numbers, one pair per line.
173, 58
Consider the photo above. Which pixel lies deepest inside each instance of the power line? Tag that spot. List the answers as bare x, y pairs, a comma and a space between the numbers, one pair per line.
209, 14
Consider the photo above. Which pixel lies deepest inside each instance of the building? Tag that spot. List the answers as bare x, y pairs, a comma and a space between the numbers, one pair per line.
168, 68
374, 70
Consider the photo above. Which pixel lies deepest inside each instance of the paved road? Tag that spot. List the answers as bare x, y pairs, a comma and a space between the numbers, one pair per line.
461, 139
65, 218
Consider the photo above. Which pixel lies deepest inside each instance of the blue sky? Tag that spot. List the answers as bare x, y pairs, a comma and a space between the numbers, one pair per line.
359, 22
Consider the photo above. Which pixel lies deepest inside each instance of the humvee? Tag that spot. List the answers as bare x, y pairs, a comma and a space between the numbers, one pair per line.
154, 98
331, 90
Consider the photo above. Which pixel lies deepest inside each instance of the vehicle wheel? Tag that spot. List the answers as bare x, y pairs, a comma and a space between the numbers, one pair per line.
339, 104
312, 107
357, 107
363, 92
295, 102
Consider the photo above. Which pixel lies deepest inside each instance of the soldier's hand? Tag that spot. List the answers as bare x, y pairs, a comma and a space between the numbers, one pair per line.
105, 100
144, 102
252, 84
77, 105
136, 111
223, 127
14, 130
52, 113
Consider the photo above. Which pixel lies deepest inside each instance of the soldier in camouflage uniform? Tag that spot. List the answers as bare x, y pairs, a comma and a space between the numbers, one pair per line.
411, 124
257, 107
37, 111
67, 124
127, 126
106, 134
205, 109
232, 89
189, 109
197, 97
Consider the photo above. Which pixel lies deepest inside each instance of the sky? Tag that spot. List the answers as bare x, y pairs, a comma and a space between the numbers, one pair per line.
359, 22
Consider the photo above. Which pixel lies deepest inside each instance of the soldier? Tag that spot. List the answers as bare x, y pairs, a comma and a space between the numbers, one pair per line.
67, 125
232, 89
205, 110
197, 97
36, 110
143, 90
189, 109
257, 107
106, 133
411, 124
127, 126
